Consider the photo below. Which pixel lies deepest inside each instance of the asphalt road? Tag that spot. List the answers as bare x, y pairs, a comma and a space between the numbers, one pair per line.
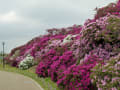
13, 81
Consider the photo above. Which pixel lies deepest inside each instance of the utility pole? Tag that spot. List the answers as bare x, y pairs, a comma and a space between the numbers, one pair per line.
3, 43
1, 57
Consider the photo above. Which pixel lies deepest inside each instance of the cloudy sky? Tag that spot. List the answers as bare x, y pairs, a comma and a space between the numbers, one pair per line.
22, 20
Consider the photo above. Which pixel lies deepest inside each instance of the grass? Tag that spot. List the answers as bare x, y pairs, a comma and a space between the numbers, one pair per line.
45, 83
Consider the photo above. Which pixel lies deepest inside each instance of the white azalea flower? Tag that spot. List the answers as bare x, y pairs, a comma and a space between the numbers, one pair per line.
68, 38
27, 62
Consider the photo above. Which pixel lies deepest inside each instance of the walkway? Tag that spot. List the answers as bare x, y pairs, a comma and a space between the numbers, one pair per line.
13, 81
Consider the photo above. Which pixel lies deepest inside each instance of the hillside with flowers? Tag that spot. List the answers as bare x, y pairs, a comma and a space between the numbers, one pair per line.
80, 57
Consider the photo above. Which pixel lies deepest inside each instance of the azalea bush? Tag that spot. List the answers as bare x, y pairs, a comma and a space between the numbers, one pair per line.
78, 76
61, 64
44, 65
107, 76
112, 8
97, 36
26, 63
68, 39
53, 60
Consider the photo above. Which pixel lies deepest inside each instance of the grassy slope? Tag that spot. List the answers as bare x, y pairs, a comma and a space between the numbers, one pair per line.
45, 83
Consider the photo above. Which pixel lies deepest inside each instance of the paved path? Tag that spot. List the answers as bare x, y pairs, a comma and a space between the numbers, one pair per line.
13, 81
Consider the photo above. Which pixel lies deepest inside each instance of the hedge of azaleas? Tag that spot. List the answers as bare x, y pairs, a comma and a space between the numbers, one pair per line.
78, 76
78, 57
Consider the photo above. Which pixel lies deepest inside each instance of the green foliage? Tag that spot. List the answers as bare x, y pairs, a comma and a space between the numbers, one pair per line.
113, 30
107, 76
111, 33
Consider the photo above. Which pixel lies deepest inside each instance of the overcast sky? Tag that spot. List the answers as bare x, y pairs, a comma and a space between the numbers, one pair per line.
22, 20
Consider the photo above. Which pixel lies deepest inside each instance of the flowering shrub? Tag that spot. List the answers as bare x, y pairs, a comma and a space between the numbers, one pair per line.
77, 77
68, 39
54, 43
102, 33
26, 63
107, 76
112, 8
52, 62
44, 65
61, 64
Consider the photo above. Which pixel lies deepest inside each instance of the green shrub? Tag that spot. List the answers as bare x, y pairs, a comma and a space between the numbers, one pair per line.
107, 77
